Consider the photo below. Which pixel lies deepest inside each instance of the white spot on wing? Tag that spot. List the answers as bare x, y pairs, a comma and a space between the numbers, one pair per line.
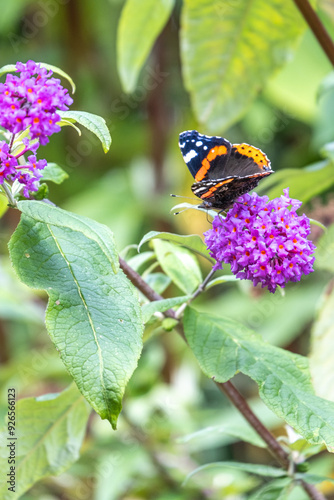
190, 155
199, 143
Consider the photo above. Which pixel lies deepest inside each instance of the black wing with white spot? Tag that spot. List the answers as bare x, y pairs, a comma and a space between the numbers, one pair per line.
195, 148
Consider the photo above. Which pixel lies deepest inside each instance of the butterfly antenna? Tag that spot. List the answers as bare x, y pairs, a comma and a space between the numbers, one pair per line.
180, 212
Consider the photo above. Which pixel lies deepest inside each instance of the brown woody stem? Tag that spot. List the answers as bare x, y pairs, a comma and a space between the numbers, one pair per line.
317, 28
241, 404
228, 389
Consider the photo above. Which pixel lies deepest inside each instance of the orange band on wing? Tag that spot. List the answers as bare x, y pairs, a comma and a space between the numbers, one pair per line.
209, 193
213, 153
203, 170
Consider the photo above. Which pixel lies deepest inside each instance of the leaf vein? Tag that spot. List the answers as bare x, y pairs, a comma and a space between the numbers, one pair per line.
99, 351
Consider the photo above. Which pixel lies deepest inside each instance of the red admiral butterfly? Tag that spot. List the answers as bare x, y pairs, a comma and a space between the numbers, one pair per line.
222, 171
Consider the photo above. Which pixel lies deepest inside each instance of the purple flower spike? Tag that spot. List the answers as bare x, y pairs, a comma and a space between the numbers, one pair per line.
264, 241
32, 100
29, 102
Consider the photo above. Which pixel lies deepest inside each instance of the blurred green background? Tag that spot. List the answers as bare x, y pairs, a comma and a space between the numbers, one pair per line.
128, 189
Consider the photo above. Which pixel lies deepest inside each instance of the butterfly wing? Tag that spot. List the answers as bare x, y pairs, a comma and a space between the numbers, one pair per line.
245, 167
204, 155
245, 160
222, 194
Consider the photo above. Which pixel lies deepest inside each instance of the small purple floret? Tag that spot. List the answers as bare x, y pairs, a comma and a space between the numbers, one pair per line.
264, 241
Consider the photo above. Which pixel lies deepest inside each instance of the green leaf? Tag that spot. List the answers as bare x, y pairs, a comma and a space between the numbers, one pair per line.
42, 193
304, 183
220, 280
318, 224
304, 450
277, 319
278, 489
161, 306
49, 434
193, 242
93, 316
324, 256
68, 123
314, 478
179, 264
260, 470
224, 347
236, 429
10, 68
158, 281
229, 49
139, 261
229, 427
169, 324
94, 123
322, 343
54, 173
140, 24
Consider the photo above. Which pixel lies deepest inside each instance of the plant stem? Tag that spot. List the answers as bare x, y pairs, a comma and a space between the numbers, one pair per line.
317, 27
11, 142
239, 402
197, 292
9, 195
227, 387
312, 491
145, 289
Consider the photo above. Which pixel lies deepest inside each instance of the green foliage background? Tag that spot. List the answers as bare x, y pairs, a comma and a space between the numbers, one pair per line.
169, 408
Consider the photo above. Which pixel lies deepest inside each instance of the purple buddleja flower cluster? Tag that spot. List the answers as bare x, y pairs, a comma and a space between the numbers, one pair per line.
264, 241
32, 100
29, 102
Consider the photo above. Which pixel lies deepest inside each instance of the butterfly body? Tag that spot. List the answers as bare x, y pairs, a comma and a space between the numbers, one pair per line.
222, 171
